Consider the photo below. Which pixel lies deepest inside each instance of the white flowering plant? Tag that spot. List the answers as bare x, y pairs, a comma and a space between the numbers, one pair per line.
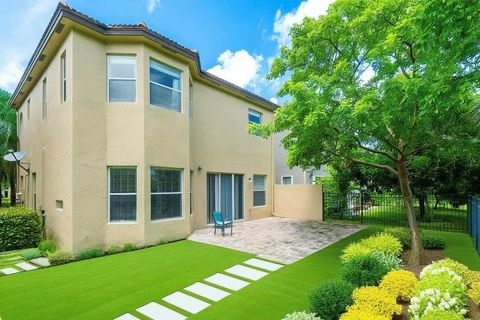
434, 299
301, 315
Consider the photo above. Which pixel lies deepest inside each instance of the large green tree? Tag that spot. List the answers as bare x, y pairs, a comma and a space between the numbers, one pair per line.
389, 78
8, 140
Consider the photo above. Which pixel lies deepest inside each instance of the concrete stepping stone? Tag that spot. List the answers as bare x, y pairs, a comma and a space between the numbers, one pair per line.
207, 291
227, 282
42, 262
246, 272
262, 264
8, 271
26, 266
126, 316
156, 311
186, 302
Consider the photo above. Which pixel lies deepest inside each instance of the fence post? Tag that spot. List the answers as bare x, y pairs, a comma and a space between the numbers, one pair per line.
323, 205
361, 207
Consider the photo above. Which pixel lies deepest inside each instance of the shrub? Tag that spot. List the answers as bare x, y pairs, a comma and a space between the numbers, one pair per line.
375, 301
472, 277
445, 280
389, 261
383, 242
90, 253
400, 283
432, 242
474, 293
354, 250
114, 250
21, 228
301, 315
47, 246
453, 265
433, 299
129, 247
29, 254
442, 315
60, 257
402, 234
356, 314
330, 299
364, 271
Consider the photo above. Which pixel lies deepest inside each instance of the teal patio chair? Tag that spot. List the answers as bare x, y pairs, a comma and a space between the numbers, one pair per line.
220, 223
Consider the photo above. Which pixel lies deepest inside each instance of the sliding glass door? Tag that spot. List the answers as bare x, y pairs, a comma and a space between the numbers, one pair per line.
225, 194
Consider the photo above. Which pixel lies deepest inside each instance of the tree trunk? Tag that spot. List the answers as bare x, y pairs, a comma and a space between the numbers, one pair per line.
437, 200
421, 206
13, 191
417, 250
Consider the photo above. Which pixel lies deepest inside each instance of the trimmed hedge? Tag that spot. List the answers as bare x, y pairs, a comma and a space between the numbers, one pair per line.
20, 228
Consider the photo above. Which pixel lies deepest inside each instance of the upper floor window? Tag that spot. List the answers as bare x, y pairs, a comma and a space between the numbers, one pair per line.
63, 75
165, 86
44, 98
122, 75
254, 116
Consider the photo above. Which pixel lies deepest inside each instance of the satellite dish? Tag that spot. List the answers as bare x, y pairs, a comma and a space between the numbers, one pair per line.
14, 156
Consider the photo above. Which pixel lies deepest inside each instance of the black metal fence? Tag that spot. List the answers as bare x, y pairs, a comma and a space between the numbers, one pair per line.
444, 213
474, 220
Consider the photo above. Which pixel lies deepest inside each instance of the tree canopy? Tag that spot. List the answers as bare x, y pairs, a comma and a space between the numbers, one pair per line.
8, 139
378, 83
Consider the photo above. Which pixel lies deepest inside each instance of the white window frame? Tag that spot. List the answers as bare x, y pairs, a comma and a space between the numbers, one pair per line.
122, 194
291, 177
110, 78
165, 67
182, 215
265, 190
256, 113
63, 75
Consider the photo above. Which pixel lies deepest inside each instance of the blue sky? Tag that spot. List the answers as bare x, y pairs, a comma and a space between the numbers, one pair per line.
236, 39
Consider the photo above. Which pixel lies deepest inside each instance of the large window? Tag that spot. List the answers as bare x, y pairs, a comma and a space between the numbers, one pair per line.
122, 74
63, 75
166, 193
259, 190
165, 86
122, 194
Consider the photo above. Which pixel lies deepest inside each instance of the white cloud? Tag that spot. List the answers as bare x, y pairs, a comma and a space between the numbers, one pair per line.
283, 22
240, 67
274, 100
21, 31
152, 4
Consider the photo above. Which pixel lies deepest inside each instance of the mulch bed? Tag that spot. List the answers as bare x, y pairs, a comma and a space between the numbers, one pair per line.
430, 256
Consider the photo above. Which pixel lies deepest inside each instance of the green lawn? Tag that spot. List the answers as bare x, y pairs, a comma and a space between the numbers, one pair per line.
107, 287
10, 258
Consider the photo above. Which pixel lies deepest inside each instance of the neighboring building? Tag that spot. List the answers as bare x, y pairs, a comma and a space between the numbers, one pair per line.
128, 140
295, 175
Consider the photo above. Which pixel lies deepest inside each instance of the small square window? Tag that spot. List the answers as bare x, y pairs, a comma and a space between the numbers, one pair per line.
287, 180
254, 117
59, 204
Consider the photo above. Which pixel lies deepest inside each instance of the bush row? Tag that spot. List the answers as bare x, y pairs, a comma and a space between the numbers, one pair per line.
20, 228
429, 240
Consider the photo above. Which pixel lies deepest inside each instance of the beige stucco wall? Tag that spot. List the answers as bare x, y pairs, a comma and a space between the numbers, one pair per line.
298, 201
48, 144
72, 149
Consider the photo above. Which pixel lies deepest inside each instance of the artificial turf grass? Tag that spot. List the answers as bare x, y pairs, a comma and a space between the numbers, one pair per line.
107, 287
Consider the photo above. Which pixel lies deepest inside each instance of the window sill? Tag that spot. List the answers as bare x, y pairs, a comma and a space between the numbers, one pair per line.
167, 219
257, 207
121, 222
152, 106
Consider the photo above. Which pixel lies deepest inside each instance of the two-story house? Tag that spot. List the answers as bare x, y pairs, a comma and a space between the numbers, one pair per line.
129, 140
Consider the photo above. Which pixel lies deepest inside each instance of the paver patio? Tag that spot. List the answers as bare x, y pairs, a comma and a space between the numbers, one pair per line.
279, 239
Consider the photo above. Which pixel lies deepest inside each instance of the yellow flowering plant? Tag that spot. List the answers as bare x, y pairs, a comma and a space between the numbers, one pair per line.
400, 283
375, 301
474, 292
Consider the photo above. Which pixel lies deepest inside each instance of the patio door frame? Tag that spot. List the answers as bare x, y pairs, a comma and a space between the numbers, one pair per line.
218, 195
